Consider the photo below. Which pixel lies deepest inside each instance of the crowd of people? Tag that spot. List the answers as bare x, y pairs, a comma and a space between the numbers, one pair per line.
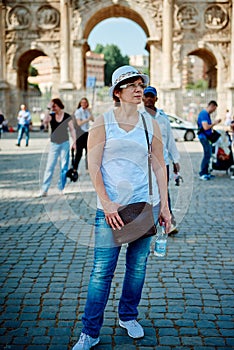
79, 126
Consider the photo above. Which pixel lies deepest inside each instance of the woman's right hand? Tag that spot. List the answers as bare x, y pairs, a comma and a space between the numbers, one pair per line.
112, 217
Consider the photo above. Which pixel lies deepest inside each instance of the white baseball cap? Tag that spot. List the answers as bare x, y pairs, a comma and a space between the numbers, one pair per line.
123, 73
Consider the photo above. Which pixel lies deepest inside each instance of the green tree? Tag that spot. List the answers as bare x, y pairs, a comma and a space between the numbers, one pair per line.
114, 59
32, 71
200, 84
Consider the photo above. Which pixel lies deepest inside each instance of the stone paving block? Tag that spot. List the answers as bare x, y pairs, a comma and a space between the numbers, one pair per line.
184, 323
191, 340
215, 341
210, 332
163, 323
168, 332
188, 331
150, 341
22, 340
69, 315
225, 324
169, 340
230, 341
190, 316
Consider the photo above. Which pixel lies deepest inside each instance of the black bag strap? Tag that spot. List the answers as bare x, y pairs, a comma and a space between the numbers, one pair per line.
72, 158
149, 158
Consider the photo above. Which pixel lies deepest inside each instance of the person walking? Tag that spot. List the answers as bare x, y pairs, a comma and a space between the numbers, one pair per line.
59, 122
24, 120
2, 118
205, 126
170, 151
83, 116
118, 166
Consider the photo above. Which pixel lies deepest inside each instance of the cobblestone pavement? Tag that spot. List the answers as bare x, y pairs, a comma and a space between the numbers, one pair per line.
46, 259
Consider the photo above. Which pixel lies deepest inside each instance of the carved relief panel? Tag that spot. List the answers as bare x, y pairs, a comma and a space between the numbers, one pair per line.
188, 17
47, 17
19, 17
215, 17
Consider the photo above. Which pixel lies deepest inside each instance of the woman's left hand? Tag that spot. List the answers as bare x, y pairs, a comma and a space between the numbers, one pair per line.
165, 217
74, 146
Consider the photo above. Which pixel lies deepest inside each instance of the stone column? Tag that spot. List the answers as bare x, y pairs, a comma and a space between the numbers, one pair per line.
2, 48
232, 46
4, 88
155, 63
80, 47
167, 44
65, 46
230, 99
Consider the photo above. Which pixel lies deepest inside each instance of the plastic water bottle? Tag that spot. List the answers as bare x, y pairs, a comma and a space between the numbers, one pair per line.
161, 242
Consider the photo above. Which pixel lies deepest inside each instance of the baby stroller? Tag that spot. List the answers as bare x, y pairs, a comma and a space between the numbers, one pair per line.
222, 156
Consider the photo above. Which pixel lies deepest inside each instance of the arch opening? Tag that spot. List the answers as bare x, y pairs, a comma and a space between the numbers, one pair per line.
206, 61
23, 68
41, 65
107, 13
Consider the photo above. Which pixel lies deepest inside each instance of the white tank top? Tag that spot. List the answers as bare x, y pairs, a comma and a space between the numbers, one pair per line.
125, 162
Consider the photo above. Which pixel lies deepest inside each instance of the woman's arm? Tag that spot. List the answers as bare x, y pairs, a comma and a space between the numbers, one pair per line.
81, 122
47, 119
159, 168
73, 133
96, 142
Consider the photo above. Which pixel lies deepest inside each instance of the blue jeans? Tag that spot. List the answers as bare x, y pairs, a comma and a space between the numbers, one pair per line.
21, 130
57, 151
105, 261
207, 149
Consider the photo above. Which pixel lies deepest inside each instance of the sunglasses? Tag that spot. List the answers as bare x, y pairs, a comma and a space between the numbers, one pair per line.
133, 86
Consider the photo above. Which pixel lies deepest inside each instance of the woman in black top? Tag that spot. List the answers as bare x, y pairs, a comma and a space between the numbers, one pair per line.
60, 122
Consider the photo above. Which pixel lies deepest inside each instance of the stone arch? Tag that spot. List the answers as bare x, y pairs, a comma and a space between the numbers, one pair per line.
23, 59
22, 67
114, 11
106, 13
210, 63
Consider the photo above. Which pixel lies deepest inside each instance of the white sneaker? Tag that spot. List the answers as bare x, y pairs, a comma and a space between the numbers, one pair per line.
205, 177
85, 342
134, 329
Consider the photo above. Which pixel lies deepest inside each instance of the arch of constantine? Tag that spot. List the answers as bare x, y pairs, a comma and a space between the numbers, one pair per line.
60, 29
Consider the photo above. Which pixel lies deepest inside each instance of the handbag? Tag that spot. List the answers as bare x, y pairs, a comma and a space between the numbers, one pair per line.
71, 173
137, 217
214, 136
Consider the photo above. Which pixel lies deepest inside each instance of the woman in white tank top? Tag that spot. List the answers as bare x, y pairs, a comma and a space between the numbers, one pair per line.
118, 166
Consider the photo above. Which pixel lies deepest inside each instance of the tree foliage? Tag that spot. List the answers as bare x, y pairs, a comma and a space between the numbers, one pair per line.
200, 84
114, 59
32, 71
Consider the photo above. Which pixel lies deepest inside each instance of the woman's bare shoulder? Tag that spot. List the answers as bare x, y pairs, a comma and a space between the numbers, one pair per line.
98, 122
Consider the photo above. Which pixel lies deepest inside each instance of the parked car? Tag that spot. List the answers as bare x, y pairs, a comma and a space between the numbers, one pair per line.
182, 129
